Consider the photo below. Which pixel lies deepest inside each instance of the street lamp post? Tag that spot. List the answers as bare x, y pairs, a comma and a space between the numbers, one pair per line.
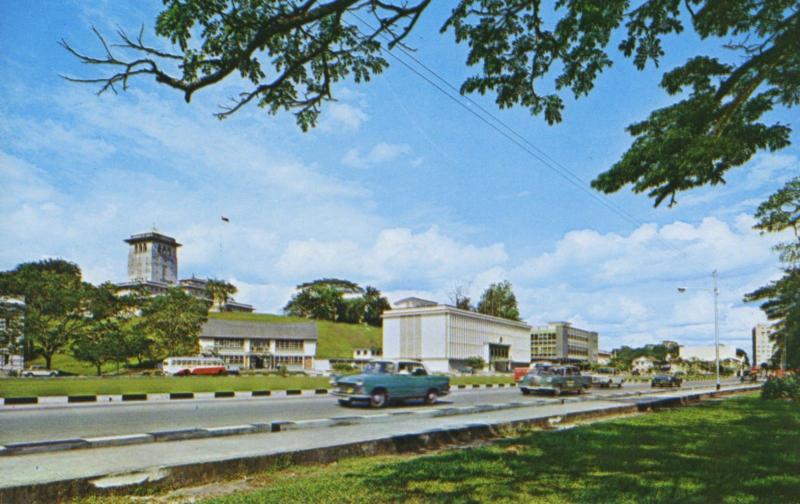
715, 292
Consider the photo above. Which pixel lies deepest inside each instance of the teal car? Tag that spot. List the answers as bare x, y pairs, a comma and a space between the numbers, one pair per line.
555, 380
384, 381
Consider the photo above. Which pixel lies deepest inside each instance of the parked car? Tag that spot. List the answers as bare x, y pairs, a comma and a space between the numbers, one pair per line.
666, 380
554, 379
607, 377
383, 381
39, 371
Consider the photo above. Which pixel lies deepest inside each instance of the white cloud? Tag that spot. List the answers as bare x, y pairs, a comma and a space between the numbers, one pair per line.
381, 153
337, 116
396, 256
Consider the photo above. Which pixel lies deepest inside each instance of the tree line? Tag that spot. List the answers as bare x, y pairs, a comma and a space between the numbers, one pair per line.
98, 324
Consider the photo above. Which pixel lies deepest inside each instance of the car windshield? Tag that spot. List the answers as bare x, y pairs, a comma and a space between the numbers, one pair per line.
379, 367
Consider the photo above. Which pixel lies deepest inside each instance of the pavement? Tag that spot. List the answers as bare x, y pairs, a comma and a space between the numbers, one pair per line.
45, 477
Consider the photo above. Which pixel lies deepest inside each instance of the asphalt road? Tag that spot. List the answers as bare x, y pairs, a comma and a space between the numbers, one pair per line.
60, 422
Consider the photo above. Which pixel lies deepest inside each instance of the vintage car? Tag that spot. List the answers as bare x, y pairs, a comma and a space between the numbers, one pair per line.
555, 379
607, 378
383, 381
38, 372
666, 380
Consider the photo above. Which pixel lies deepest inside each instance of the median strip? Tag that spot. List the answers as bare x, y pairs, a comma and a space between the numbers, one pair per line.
196, 396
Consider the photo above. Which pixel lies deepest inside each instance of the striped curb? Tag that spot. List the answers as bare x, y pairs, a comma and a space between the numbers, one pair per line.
197, 396
289, 425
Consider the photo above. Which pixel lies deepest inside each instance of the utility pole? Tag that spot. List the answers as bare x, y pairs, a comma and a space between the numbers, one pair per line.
716, 323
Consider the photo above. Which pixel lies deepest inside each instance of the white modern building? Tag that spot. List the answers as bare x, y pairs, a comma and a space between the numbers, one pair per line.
260, 345
763, 346
707, 353
444, 337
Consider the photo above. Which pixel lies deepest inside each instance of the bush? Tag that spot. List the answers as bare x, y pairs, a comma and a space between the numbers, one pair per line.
781, 388
343, 367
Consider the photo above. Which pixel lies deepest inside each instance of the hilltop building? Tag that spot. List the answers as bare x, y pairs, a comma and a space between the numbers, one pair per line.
443, 337
153, 265
560, 342
763, 346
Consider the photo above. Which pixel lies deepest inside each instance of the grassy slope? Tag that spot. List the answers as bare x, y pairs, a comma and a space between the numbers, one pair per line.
335, 340
737, 451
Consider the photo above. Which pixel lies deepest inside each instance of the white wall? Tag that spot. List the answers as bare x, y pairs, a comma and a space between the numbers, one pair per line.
391, 338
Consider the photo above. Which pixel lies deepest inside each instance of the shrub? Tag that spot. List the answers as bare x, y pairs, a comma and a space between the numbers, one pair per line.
781, 388
343, 367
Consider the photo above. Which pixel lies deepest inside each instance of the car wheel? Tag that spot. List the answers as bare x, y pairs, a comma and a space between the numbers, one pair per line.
431, 397
526, 392
377, 399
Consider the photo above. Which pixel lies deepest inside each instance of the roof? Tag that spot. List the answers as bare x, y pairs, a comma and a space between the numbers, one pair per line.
414, 302
153, 236
222, 328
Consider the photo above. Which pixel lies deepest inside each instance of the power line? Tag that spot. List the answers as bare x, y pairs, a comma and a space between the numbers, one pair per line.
508, 132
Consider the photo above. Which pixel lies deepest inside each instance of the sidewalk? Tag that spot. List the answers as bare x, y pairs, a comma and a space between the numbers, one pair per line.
45, 477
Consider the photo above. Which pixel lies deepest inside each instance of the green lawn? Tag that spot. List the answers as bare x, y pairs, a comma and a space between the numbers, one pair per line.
741, 450
27, 387
16, 387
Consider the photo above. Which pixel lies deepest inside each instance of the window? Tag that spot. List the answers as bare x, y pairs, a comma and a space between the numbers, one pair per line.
289, 345
229, 343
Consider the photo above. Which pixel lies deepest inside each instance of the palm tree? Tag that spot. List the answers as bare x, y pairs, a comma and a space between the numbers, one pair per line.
219, 291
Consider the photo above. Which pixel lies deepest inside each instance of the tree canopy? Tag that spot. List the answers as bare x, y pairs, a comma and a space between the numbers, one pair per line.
337, 300
528, 53
781, 298
55, 304
499, 300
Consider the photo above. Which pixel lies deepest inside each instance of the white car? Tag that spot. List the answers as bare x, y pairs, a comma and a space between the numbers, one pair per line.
39, 371
607, 380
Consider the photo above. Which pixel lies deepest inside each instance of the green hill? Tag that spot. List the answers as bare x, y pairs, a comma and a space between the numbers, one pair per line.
336, 341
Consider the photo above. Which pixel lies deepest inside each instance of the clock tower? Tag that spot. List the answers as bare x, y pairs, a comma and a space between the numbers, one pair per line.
153, 258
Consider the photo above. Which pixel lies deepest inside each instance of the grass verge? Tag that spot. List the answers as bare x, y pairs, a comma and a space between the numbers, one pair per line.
742, 450
30, 387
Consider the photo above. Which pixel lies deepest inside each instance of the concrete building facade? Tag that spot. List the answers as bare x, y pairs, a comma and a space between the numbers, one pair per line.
258, 345
444, 337
763, 346
561, 342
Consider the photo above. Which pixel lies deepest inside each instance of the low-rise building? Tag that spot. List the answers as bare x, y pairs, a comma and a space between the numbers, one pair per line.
707, 353
561, 342
604, 357
445, 337
12, 320
763, 346
260, 345
642, 365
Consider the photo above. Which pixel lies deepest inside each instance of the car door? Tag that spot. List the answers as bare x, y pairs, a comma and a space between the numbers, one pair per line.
404, 380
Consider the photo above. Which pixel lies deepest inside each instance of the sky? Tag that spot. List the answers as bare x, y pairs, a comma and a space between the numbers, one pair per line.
399, 187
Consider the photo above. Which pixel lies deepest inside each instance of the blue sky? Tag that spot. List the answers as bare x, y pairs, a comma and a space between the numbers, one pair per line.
399, 187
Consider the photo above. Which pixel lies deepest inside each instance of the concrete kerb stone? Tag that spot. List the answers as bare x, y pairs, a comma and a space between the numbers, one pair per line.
232, 430
44, 446
179, 434
106, 441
